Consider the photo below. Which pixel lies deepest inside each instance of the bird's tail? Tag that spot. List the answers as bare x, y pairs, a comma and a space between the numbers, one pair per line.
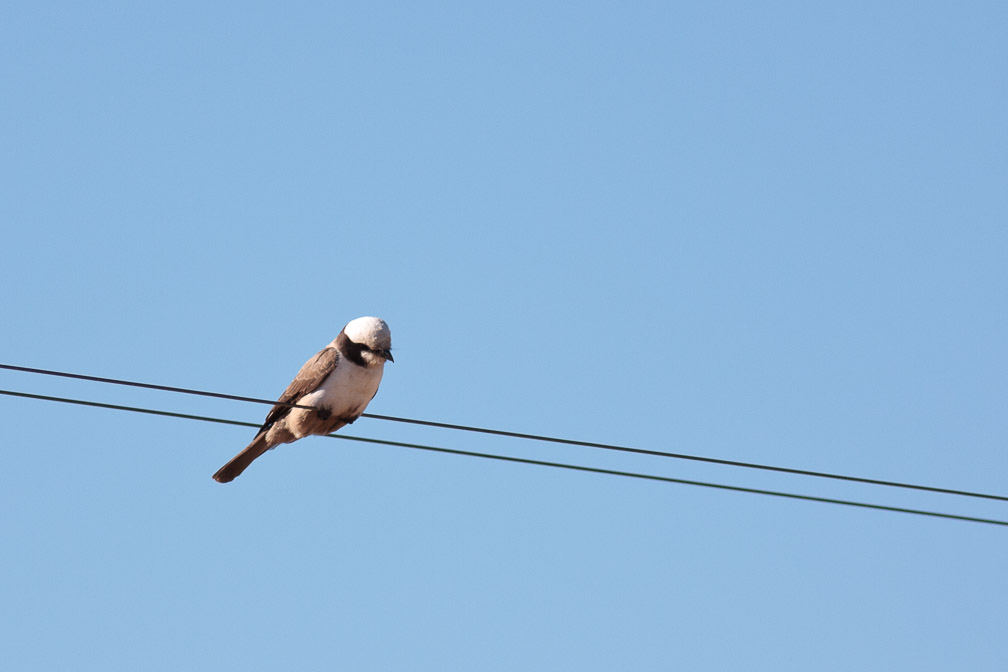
242, 460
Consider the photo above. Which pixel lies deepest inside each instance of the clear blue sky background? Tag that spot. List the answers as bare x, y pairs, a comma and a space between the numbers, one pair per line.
774, 232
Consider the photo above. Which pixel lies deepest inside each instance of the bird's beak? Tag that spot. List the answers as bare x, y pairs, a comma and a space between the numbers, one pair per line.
387, 354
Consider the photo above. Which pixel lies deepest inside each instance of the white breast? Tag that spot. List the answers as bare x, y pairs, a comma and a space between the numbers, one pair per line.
347, 390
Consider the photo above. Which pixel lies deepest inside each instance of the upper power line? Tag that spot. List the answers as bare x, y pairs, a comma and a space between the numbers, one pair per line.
534, 437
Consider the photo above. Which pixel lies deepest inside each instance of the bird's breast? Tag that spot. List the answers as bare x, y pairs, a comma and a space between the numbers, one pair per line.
347, 390
345, 393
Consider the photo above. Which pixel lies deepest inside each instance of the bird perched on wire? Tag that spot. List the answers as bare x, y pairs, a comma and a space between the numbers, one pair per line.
337, 384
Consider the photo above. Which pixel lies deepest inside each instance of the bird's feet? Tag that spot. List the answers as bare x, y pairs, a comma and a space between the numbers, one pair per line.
324, 413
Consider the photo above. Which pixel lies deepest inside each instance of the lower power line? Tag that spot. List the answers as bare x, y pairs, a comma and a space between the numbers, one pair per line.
521, 460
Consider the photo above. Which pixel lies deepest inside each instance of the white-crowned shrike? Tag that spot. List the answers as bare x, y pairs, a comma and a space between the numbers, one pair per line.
337, 383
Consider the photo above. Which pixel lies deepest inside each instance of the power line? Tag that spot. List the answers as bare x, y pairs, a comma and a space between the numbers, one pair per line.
148, 386
521, 460
537, 437
697, 458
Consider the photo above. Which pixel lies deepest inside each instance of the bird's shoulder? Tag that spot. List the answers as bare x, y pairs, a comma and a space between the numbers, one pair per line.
312, 374
308, 379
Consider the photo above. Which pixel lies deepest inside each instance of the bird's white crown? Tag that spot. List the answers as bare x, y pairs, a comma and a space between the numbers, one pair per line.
369, 331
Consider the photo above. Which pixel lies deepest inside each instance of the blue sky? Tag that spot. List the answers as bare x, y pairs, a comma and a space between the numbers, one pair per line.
768, 232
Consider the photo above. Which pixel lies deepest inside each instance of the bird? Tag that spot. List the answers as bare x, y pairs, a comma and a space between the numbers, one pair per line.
337, 383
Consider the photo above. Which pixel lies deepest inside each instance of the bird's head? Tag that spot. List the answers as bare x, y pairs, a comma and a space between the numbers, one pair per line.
374, 338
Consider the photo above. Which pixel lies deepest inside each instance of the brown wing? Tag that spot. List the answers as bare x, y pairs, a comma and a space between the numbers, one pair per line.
311, 375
